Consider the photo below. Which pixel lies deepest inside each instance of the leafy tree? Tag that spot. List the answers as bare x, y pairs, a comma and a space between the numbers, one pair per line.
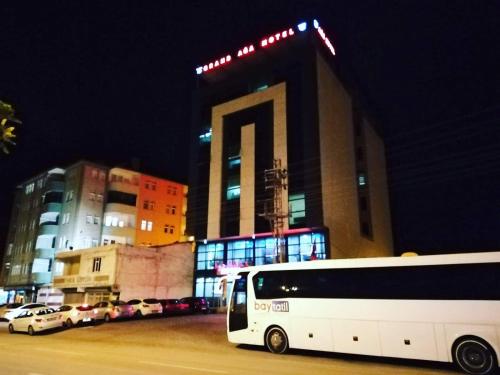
7, 126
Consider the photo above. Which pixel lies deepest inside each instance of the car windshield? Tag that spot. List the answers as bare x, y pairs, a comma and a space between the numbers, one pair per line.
151, 300
118, 303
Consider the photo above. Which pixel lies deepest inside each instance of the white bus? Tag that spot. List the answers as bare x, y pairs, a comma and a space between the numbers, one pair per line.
437, 307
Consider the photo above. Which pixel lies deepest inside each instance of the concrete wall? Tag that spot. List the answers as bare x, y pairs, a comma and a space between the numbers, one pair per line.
338, 174
163, 272
276, 94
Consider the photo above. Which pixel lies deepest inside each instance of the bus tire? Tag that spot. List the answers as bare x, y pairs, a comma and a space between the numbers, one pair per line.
474, 356
276, 340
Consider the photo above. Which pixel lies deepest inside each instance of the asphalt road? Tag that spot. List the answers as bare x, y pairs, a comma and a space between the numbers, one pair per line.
178, 345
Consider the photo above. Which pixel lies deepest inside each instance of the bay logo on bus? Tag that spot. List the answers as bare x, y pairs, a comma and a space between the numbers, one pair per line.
276, 306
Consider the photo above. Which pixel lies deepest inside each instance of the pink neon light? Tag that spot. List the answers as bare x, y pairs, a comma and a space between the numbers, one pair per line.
265, 42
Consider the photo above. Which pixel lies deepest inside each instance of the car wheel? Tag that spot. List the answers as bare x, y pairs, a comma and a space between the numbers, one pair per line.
11, 328
276, 340
107, 318
138, 313
69, 323
31, 331
474, 356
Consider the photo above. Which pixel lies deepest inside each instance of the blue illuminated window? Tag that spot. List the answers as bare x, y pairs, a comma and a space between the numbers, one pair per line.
206, 137
233, 188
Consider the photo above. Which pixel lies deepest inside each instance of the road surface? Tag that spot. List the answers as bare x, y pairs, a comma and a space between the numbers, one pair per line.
181, 345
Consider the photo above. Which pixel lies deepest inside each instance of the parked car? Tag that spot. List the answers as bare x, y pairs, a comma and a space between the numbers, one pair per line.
147, 306
7, 308
173, 306
35, 320
111, 310
12, 313
76, 313
197, 304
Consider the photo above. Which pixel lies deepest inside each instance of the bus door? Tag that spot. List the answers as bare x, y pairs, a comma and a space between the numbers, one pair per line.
238, 317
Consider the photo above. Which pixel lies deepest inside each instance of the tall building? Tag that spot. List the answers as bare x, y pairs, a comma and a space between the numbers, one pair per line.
279, 137
82, 206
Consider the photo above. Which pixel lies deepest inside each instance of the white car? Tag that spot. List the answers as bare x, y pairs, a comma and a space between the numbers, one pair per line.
73, 314
35, 320
147, 306
111, 310
7, 308
12, 313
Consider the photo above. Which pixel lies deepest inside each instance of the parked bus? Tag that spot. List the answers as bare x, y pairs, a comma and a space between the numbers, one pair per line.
436, 307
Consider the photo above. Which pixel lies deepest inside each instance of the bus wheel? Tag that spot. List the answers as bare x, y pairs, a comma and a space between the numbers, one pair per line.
474, 356
276, 340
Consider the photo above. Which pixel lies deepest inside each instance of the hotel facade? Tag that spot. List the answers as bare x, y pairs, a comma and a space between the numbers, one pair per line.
278, 106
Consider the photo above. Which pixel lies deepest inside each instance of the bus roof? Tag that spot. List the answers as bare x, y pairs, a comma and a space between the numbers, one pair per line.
421, 260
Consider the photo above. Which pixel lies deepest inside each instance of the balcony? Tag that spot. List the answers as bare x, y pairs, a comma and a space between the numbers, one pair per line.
74, 281
44, 253
120, 208
119, 231
123, 187
48, 230
51, 207
41, 277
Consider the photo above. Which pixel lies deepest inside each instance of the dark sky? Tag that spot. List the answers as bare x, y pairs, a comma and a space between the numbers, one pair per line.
109, 81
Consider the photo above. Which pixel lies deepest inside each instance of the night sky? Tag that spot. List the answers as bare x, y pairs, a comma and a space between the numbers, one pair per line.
109, 81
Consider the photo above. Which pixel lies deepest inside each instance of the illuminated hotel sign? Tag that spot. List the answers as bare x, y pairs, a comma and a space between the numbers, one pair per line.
266, 43
276, 37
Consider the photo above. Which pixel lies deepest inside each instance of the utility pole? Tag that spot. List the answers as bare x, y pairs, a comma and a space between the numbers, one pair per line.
276, 180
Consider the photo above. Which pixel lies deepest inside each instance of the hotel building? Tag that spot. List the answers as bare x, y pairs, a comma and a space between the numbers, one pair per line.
279, 107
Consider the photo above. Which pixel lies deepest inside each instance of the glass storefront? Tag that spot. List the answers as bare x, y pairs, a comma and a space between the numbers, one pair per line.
217, 259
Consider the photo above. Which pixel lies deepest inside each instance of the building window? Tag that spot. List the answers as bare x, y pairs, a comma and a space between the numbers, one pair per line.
102, 175
95, 243
361, 179
148, 205
233, 188
96, 266
69, 196
65, 218
91, 196
146, 225
169, 229
97, 220
28, 189
297, 209
206, 137
89, 219
150, 185
99, 197
173, 210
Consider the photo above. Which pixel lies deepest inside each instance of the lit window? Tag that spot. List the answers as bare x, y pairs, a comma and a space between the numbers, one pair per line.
114, 221
89, 219
150, 226
361, 179
97, 220
108, 220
